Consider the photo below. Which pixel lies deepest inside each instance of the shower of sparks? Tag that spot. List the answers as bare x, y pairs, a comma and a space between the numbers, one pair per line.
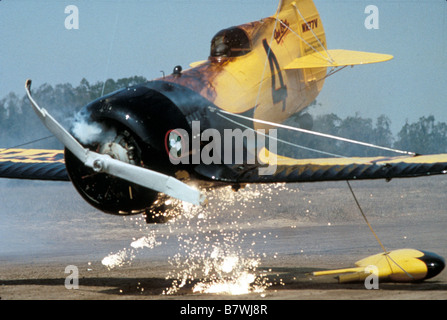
215, 252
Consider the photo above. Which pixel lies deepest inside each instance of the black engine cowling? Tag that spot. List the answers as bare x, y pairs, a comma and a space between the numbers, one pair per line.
139, 118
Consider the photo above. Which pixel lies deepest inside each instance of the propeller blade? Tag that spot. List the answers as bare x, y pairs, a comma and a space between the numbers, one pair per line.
104, 163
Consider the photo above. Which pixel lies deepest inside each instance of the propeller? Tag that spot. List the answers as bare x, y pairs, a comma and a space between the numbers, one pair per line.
104, 163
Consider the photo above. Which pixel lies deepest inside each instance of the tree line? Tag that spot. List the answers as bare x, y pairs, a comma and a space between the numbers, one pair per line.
424, 136
20, 125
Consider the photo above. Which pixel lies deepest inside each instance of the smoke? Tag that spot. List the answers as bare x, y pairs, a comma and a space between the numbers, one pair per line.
88, 132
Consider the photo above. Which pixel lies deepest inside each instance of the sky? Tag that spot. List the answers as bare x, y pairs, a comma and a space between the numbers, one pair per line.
123, 38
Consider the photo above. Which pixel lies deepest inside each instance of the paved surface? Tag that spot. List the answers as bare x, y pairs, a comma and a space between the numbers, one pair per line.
259, 243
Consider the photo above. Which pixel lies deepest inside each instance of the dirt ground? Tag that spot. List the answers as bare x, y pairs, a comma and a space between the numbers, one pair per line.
277, 233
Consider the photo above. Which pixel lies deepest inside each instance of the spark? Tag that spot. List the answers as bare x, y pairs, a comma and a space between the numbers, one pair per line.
216, 254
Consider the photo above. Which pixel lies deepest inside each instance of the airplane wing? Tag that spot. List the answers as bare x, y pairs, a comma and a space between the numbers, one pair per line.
337, 58
330, 169
35, 164
41, 164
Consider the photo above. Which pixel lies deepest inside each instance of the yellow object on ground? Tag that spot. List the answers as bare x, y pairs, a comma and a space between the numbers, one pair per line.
403, 265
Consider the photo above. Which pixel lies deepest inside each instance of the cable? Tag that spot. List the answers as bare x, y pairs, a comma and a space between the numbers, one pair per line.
364, 216
280, 140
319, 134
26, 143
375, 235
313, 33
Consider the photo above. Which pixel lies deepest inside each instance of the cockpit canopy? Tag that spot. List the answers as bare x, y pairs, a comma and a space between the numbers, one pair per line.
231, 42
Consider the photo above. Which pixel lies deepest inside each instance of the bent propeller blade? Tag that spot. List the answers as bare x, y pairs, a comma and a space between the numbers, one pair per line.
55, 128
104, 163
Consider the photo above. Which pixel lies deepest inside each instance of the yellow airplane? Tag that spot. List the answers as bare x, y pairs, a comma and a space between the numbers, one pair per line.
208, 126
272, 68
257, 75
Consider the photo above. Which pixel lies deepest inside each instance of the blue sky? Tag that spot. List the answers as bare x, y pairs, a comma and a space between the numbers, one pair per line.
122, 38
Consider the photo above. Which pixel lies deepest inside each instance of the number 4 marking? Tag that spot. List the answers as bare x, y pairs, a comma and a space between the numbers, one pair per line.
278, 94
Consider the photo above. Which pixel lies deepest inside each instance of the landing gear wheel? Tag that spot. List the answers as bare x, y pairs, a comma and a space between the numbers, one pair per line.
105, 192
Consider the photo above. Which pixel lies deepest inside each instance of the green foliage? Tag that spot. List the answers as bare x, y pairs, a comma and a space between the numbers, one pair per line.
424, 136
352, 127
19, 124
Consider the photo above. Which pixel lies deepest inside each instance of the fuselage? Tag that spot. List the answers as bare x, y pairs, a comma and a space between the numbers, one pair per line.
245, 73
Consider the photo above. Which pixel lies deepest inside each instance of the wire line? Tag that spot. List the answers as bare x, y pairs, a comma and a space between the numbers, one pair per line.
325, 135
387, 253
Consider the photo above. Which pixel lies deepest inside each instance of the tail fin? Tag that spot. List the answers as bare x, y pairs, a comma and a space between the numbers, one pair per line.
303, 19
306, 23
287, 4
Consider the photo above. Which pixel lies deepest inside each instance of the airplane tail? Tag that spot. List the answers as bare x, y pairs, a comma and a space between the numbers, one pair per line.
303, 19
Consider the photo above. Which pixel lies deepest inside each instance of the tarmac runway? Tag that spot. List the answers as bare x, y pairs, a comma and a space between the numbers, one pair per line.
259, 243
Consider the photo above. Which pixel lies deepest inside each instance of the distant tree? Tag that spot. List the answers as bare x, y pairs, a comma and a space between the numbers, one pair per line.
329, 124
96, 90
424, 136
356, 128
306, 145
382, 132
19, 124
351, 127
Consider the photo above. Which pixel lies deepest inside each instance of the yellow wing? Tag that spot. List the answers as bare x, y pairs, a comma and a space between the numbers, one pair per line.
285, 169
337, 58
357, 168
36, 164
